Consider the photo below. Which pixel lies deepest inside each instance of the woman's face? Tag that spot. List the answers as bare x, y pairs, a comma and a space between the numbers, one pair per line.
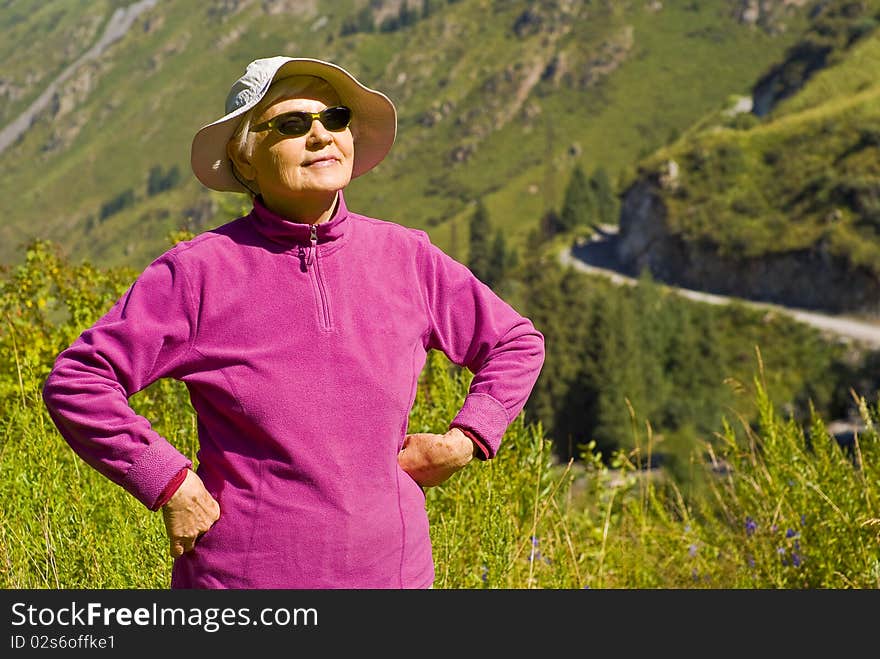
307, 167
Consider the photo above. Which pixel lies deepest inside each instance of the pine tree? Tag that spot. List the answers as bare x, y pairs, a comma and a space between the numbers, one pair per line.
654, 335
366, 22
543, 299
512, 259
499, 260
478, 244
405, 15
607, 204
576, 413
548, 226
579, 204
618, 364
679, 359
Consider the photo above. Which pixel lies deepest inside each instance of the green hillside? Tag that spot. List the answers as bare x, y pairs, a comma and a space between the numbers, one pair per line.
40, 39
497, 100
667, 443
806, 174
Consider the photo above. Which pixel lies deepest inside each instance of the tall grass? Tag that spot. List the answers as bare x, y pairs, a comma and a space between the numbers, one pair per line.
781, 506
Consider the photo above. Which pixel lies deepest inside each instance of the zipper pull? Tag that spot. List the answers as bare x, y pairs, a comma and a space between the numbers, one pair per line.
313, 230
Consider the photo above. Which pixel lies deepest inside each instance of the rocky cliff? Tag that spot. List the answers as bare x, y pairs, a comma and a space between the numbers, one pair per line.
777, 200
812, 278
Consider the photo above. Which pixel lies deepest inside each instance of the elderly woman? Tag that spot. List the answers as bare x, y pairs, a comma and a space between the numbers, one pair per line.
300, 331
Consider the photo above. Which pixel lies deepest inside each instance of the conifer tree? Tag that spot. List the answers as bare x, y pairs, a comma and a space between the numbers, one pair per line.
498, 260
654, 335
707, 371
579, 204
548, 226
575, 418
405, 15
679, 362
478, 244
543, 300
607, 204
618, 365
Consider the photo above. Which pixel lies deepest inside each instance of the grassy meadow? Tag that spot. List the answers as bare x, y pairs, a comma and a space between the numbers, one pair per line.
780, 506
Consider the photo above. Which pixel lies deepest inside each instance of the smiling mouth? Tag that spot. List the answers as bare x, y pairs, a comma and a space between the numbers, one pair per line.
322, 162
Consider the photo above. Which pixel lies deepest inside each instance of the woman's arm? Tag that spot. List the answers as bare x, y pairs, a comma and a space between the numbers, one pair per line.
478, 330
146, 335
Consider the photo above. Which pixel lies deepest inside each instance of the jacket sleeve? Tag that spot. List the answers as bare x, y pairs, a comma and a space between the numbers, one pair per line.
143, 337
478, 330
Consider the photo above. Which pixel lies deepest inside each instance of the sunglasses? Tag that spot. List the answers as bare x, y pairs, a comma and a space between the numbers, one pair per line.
294, 124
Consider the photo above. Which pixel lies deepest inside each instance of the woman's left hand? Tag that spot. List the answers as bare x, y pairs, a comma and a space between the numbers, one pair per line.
431, 458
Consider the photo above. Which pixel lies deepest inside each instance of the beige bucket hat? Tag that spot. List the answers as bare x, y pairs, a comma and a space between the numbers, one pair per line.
373, 123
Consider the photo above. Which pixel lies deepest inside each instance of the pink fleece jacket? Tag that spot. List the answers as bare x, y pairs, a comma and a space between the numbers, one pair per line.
301, 348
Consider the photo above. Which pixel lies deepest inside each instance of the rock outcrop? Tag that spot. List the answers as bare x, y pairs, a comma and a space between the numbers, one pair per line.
812, 278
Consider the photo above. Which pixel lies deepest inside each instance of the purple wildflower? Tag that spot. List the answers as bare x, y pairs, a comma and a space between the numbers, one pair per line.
751, 526
796, 559
535, 554
751, 561
790, 533
692, 550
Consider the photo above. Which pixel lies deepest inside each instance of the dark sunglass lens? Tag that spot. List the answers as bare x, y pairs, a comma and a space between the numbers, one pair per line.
336, 118
295, 123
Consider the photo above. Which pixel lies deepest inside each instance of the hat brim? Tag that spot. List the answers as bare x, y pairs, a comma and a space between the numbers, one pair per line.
373, 124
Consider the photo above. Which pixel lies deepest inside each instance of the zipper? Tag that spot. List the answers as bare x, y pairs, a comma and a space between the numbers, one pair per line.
313, 238
318, 280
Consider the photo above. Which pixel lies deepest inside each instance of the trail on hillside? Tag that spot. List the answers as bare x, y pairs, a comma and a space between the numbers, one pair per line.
119, 23
598, 256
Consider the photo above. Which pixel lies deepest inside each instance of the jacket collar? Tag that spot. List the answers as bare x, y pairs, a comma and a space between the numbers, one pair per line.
280, 230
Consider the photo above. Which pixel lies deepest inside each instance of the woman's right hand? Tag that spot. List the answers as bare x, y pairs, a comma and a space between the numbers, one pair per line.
189, 513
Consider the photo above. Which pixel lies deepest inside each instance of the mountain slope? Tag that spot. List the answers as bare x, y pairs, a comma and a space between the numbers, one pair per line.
497, 100
785, 208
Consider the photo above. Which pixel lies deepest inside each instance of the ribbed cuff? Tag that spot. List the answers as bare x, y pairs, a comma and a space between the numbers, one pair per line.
484, 416
483, 453
171, 488
155, 467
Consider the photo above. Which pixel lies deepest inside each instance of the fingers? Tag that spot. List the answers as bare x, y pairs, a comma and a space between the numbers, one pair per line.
188, 518
189, 544
213, 510
183, 544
